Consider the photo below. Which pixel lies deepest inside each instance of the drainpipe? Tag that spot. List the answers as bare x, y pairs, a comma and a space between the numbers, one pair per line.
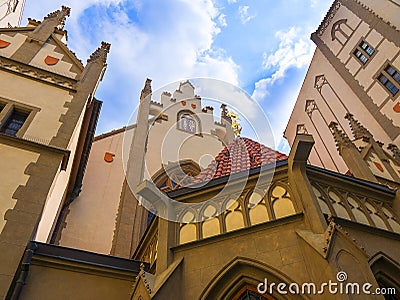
23, 272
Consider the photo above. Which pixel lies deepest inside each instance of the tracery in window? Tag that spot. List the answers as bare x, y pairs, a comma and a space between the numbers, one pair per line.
187, 122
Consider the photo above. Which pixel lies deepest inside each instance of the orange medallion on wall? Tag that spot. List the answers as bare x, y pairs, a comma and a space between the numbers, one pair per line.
109, 157
4, 44
396, 107
183, 103
379, 166
50, 60
193, 106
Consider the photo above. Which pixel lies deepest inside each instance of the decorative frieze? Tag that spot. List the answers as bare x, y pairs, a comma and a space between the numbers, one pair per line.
36, 73
328, 18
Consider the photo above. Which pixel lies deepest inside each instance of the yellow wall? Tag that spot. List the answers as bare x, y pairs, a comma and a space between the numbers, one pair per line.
56, 195
15, 161
50, 100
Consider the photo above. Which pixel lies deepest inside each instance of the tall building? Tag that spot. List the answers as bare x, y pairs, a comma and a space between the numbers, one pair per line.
140, 213
48, 115
355, 70
11, 12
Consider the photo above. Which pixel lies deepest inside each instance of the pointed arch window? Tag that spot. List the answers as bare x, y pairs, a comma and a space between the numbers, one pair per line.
187, 122
176, 175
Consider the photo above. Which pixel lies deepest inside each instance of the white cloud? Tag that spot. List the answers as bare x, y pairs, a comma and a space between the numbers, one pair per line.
222, 20
295, 50
175, 45
232, 1
244, 14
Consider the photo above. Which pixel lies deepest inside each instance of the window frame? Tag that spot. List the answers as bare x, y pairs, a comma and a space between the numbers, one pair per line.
193, 117
359, 48
6, 112
382, 72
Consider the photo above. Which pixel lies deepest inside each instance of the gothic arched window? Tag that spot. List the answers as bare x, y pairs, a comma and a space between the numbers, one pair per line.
176, 175
187, 122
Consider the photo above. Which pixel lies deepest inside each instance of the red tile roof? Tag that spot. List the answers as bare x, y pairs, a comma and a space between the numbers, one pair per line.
242, 154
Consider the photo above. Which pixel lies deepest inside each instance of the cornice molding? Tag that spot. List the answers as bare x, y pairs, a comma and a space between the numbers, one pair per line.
35, 73
370, 11
328, 18
35, 146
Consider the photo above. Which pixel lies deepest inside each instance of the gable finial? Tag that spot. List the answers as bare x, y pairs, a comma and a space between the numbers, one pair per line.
358, 130
60, 15
100, 53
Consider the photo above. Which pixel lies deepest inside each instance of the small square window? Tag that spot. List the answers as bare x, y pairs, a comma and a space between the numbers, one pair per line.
386, 78
363, 52
14, 122
382, 78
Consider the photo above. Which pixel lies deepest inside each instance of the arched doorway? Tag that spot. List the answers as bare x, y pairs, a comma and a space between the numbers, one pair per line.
238, 280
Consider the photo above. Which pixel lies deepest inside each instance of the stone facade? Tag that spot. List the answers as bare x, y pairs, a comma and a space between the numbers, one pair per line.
252, 219
45, 112
357, 44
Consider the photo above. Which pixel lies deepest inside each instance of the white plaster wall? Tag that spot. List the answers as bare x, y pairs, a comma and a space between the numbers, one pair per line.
91, 219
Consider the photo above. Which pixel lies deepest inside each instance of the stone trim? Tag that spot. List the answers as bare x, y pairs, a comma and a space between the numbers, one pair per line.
375, 190
374, 230
35, 147
382, 71
23, 219
358, 47
68, 52
79, 165
8, 110
374, 21
10, 65
16, 29
242, 231
387, 125
328, 17
88, 258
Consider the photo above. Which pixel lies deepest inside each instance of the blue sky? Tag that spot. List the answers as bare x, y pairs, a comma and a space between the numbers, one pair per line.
262, 46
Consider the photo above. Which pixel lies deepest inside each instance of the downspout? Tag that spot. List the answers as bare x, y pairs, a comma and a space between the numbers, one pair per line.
23, 272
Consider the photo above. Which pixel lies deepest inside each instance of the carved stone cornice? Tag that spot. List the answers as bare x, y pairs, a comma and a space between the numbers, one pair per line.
13, 66
370, 11
328, 18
